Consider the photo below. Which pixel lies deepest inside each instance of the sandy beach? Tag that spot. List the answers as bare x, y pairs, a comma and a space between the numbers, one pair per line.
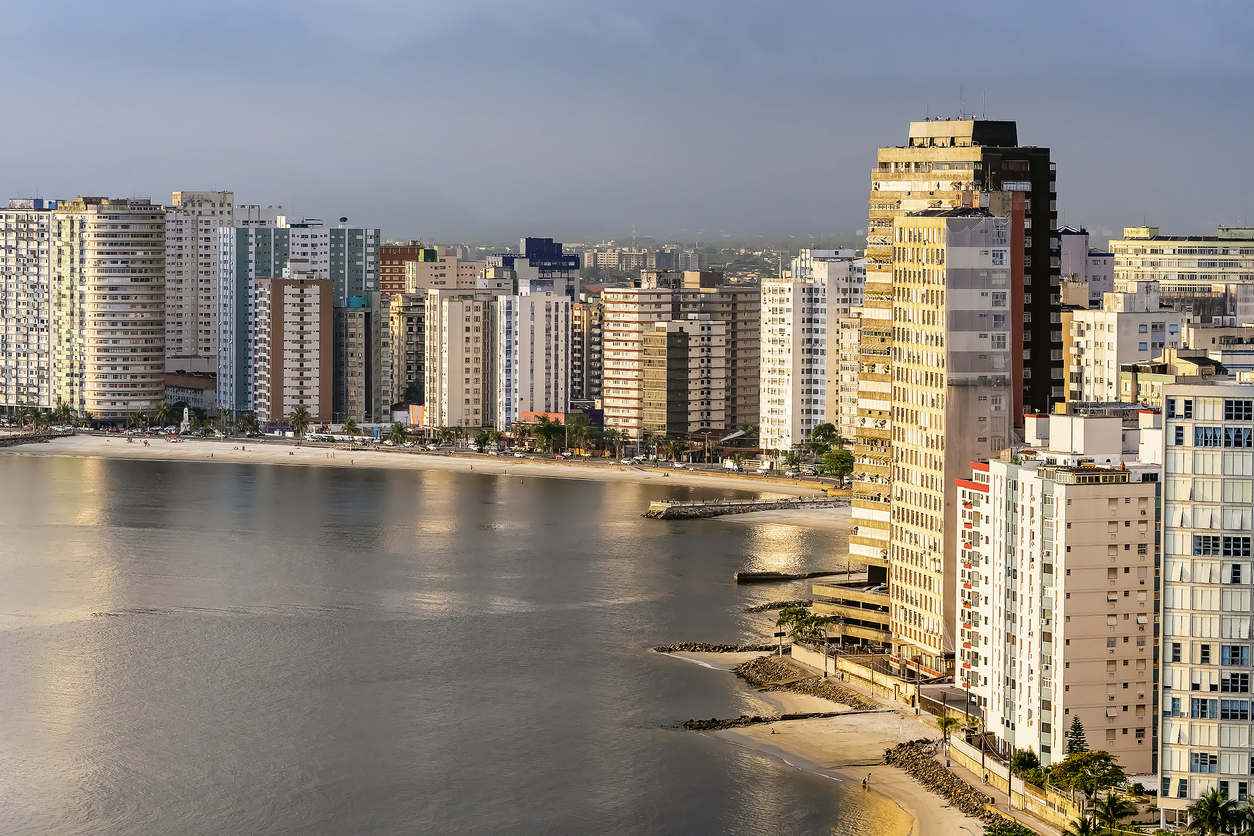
844, 748
288, 453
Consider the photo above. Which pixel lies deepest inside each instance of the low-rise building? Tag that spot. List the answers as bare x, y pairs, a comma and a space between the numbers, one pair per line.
199, 390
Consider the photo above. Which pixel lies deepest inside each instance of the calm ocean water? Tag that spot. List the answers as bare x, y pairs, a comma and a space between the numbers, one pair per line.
236, 649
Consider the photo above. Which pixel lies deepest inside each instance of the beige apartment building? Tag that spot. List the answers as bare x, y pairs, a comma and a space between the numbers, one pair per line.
1058, 595
294, 329
1129, 327
1209, 278
685, 377
442, 267
26, 304
108, 306
460, 358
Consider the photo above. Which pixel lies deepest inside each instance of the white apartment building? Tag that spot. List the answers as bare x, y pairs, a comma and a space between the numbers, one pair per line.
26, 304
842, 271
1082, 264
294, 338
532, 344
842, 375
1057, 596
460, 361
1129, 327
1208, 516
794, 359
953, 389
193, 259
108, 306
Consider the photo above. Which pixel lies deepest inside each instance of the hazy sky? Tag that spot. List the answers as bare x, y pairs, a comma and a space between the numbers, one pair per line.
576, 118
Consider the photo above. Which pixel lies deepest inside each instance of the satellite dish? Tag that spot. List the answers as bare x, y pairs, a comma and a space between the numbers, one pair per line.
343, 220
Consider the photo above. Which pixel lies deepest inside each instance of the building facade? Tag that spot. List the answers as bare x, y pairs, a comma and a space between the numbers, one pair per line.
26, 304
407, 327
1129, 327
1207, 589
460, 359
108, 306
295, 325
586, 355
1081, 263
362, 362
685, 377
532, 355
1057, 597
794, 357
1207, 278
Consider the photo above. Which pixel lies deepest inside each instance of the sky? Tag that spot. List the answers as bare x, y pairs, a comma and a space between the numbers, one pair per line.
582, 120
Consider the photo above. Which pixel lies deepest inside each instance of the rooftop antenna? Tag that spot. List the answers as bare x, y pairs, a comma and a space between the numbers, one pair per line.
961, 101
983, 103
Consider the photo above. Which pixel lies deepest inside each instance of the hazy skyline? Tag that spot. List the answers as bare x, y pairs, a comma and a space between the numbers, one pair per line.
576, 120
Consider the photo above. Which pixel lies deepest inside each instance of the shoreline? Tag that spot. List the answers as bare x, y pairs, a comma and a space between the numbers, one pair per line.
843, 748
218, 451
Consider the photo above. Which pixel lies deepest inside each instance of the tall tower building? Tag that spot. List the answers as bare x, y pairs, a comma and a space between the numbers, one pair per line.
942, 166
794, 358
108, 306
460, 358
532, 348
363, 359
26, 304
585, 349
407, 329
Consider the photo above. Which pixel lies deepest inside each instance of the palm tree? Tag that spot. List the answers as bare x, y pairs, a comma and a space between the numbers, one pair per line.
481, 440
1083, 826
247, 424
87, 417
1212, 814
946, 726
63, 414
350, 427
164, 416
397, 434
136, 420
494, 438
1112, 810
673, 449
300, 419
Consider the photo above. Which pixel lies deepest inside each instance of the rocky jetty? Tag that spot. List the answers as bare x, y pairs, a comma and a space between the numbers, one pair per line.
703, 647
715, 724
777, 605
915, 758
769, 673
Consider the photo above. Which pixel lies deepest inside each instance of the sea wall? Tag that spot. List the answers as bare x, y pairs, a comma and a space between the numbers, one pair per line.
659, 510
1054, 807
847, 669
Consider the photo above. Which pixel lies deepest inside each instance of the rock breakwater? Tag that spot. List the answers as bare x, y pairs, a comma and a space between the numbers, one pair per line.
703, 647
715, 724
915, 758
768, 673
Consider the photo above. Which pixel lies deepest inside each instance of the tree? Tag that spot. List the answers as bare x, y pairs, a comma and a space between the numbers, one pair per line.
790, 459
136, 420
350, 427
63, 414
1212, 814
1005, 827
164, 415
299, 419
801, 624
247, 424
1112, 810
1075, 737
87, 417
481, 440
751, 430
946, 726
838, 464
1023, 761
1088, 772
1083, 826
397, 434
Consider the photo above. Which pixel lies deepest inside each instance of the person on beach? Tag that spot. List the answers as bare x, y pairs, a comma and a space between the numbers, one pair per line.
864, 783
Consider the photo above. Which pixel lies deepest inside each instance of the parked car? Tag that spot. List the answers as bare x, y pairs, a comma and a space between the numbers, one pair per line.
628, 461
520, 455
790, 473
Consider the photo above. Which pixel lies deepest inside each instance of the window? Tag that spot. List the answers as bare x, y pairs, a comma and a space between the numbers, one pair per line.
1142, 328
1203, 762
1234, 709
1206, 544
1239, 410
1203, 656
1175, 651
1234, 683
1186, 408
1179, 436
1236, 547
1206, 437
1236, 436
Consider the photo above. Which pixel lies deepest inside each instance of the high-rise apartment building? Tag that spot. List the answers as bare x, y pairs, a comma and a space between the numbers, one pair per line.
842, 373
108, 306
362, 379
1210, 278
740, 308
794, 360
1129, 327
1058, 596
946, 164
585, 348
953, 402
460, 358
685, 377
1208, 505
392, 261
408, 345
294, 331
531, 341
540, 266
26, 304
